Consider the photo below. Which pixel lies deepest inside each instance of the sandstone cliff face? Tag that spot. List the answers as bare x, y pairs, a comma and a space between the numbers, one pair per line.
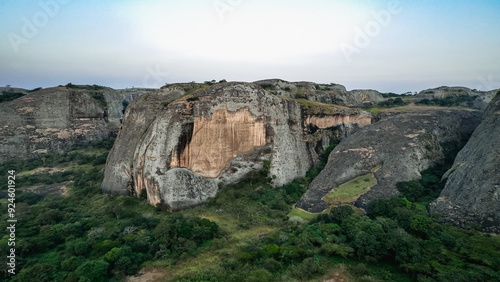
52, 120
215, 135
481, 101
324, 93
399, 146
472, 191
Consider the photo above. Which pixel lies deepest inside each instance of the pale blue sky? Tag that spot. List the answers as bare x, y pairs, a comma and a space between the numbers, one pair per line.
393, 46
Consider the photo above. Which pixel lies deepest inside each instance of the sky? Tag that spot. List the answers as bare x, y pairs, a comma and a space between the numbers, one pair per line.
391, 46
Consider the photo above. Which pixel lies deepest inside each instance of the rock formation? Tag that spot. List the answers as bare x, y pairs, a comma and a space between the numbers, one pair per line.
52, 120
179, 150
324, 93
395, 149
472, 192
482, 98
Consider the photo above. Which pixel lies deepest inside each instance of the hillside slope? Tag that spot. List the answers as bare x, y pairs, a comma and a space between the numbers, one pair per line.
472, 191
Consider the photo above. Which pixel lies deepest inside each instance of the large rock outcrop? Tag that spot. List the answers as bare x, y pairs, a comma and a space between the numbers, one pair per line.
394, 149
52, 120
179, 152
478, 99
324, 93
472, 191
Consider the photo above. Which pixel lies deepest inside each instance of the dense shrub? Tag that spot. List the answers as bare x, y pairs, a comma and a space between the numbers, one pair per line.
9, 96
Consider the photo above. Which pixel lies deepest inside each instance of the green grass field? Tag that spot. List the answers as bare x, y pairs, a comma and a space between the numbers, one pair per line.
349, 191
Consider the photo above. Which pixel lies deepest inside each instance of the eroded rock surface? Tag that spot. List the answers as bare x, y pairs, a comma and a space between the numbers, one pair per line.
401, 145
472, 191
179, 153
324, 93
482, 98
52, 120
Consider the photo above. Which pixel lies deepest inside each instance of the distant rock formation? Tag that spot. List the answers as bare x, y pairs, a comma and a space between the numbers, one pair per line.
482, 98
394, 149
324, 93
472, 192
178, 150
51, 120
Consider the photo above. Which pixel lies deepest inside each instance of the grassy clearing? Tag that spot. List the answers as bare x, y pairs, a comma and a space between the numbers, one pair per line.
316, 107
302, 214
191, 92
349, 191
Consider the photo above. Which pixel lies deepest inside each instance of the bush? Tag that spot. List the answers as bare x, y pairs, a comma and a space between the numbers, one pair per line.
9, 96
337, 214
412, 190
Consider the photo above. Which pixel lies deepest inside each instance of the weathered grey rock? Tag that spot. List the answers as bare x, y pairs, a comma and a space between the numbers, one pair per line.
52, 120
216, 135
472, 191
138, 117
481, 101
402, 145
358, 97
324, 93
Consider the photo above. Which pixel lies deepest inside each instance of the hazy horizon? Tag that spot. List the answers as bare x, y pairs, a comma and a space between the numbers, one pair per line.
389, 46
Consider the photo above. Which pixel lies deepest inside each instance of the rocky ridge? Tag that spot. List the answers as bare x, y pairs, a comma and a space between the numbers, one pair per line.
324, 93
482, 98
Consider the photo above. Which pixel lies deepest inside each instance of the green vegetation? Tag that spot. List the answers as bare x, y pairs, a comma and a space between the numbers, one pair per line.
349, 191
192, 99
88, 236
125, 104
390, 103
85, 87
314, 108
462, 100
398, 102
300, 93
267, 86
196, 88
213, 81
248, 233
99, 97
9, 96
302, 214
374, 110
394, 95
